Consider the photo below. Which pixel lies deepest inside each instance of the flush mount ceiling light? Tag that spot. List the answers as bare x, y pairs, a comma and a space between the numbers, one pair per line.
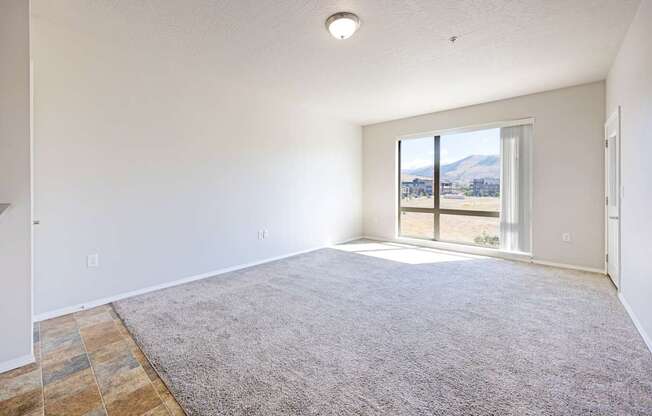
342, 25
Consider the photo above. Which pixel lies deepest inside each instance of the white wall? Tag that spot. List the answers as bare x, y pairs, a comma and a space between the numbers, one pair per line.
147, 155
568, 184
629, 85
15, 227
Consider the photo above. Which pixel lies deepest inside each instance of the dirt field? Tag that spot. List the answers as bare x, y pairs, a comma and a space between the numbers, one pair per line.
469, 202
455, 228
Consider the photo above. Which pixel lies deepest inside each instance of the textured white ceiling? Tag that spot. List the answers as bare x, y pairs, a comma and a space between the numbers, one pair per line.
399, 64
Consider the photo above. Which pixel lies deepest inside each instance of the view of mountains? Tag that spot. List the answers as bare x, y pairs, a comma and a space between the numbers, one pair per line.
464, 170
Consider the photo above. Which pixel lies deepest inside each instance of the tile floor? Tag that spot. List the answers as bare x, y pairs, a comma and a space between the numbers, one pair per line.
87, 364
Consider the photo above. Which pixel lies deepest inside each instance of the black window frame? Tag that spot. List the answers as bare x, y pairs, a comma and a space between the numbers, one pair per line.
436, 211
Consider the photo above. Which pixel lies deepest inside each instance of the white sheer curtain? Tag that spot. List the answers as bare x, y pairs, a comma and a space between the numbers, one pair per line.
515, 142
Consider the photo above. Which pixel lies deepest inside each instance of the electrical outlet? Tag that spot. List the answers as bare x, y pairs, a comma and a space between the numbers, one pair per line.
93, 260
566, 237
260, 234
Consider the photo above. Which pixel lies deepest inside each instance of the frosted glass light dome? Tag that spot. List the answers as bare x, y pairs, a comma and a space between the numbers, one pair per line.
343, 25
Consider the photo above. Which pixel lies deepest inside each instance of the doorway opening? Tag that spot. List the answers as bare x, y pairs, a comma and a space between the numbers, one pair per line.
612, 197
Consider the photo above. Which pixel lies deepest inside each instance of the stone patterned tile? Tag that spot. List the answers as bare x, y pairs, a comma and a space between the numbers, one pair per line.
66, 323
122, 328
158, 384
161, 389
121, 378
111, 360
99, 335
65, 368
144, 362
98, 309
70, 388
59, 321
22, 404
20, 383
125, 333
124, 383
52, 339
80, 403
88, 320
167, 397
87, 360
174, 408
18, 372
60, 342
100, 411
70, 348
71, 385
135, 403
93, 316
161, 410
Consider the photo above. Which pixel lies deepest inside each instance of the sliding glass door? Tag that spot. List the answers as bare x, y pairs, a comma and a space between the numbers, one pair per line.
450, 187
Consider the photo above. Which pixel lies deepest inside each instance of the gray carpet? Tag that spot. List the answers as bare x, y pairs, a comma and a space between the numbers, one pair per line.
341, 333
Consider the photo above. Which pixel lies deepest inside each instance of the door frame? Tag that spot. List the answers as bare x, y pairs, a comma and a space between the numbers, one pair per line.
613, 122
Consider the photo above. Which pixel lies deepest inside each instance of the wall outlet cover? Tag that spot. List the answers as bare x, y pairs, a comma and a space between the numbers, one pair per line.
93, 260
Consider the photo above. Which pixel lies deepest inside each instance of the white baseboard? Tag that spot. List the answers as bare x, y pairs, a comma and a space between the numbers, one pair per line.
16, 362
103, 301
568, 266
637, 323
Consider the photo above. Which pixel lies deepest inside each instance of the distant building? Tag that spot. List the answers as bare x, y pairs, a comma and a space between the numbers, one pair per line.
416, 187
446, 188
485, 187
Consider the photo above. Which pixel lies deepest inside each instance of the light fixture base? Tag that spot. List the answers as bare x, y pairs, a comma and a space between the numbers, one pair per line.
342, 25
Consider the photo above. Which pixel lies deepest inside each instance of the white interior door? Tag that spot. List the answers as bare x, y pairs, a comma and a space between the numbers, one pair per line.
612, 181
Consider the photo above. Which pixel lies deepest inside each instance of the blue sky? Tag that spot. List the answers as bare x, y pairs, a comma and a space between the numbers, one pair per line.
417, 153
